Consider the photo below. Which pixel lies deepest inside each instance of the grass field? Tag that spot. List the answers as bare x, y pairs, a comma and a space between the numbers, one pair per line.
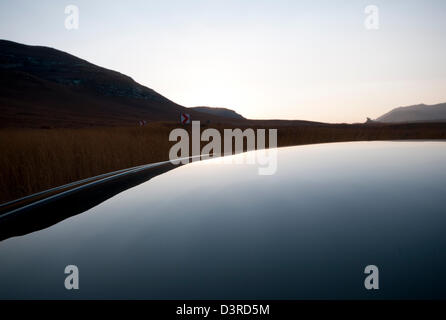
36, 159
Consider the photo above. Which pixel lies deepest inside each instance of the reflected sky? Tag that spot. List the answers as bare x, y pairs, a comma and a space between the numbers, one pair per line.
209, 230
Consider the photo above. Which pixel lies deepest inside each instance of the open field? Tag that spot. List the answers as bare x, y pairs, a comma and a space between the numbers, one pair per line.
36, 159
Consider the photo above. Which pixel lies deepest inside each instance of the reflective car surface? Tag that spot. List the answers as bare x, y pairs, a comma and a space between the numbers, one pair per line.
209, 230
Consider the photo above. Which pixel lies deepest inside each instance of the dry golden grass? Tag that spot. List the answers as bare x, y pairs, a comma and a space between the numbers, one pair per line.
36, 159
289, 136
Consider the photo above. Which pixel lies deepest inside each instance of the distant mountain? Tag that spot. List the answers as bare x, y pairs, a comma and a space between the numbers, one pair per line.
223, 112
416, 113
41, 86
45, 87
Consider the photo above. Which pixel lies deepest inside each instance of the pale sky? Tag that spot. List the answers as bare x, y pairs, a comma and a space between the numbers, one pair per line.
311, 60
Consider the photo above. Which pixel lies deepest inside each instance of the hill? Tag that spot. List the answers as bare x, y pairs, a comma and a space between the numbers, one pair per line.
416, 113
41, 86
223, 112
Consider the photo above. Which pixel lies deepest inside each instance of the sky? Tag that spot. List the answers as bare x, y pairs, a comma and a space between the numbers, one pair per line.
275, 59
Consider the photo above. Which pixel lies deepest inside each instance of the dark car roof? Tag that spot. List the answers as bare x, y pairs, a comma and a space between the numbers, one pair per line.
209, 230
